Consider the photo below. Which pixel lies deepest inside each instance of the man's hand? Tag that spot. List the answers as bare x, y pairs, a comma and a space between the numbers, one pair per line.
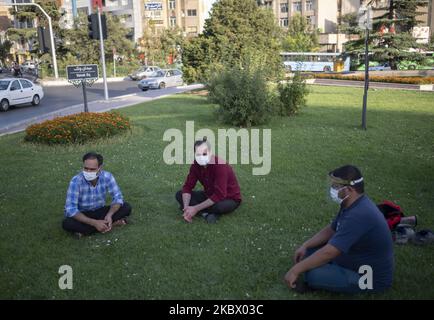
189, 213
101, 226
108, 219
291, 278
299, 254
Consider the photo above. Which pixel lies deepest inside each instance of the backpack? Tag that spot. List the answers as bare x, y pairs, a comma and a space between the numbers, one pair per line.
392, 212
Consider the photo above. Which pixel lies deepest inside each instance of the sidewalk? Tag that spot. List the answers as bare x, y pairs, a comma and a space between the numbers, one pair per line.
96, 106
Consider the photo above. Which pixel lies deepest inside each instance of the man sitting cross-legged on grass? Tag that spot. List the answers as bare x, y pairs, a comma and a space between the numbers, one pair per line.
85, 208
358, 236
222, 192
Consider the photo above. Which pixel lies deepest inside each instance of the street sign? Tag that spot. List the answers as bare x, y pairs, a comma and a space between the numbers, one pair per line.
365, 17
82, 72
82, 76
151, 6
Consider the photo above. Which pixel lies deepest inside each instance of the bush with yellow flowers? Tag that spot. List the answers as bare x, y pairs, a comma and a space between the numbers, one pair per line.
78, 128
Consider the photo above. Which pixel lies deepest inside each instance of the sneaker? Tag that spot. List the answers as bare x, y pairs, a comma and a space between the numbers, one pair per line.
211, 218
423, 237
401, 235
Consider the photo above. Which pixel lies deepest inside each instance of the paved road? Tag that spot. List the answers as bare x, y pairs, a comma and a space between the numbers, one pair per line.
60, 97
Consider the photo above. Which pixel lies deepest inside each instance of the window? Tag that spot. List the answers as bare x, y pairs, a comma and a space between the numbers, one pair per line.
26, 84
172, 4
172, 21
284, 22
297, 6
284, 7
310, 20
309, 5
192, 12
15, 85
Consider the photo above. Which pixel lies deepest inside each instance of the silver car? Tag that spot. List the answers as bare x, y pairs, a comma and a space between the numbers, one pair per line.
143, 72
162, 79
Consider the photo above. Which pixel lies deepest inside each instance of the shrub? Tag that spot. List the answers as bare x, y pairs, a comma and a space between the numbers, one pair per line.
292, 95
242, 95
77, 128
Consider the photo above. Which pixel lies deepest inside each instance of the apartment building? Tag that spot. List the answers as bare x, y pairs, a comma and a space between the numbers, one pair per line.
188, 15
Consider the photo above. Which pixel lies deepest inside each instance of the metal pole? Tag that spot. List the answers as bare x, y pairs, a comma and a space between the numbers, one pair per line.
101, 42
365, 93
53, 49
84, 96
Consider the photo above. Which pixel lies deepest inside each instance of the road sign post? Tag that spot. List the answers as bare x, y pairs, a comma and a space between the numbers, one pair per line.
365, 22
82, 75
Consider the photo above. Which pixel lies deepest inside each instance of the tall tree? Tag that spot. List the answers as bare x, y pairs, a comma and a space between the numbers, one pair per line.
235, 31
28, 14
85, 50
300, 37
391, 39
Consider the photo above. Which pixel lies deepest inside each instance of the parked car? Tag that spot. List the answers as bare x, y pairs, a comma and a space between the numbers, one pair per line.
144, 72
28, 65
162, 79
15, 91
375, 66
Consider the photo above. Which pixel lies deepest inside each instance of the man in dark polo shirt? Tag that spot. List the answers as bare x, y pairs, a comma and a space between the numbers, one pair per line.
357, 239
221, 190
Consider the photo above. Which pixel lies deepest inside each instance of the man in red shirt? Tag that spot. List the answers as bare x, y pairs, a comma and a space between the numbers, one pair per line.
221, 190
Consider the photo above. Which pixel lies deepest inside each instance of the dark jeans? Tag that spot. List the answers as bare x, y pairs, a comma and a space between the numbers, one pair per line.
72, 225
332, 277
218, 208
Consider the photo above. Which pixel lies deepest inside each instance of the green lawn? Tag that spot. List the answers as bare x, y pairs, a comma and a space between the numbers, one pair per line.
246, 254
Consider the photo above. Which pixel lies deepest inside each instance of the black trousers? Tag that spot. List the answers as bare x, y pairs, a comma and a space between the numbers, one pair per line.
72, 225
221, 207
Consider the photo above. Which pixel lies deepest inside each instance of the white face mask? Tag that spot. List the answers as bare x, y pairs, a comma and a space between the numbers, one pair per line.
334, 195
90, 176
202, 160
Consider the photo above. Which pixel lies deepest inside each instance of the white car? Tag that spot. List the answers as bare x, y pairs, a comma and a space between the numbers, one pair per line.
144, 72
15, 91
28, 65
162, 79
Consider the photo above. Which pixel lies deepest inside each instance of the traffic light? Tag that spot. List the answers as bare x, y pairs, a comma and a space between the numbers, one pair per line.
93, 26
44, 40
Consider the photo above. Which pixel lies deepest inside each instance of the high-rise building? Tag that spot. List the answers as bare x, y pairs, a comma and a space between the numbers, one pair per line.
188, 15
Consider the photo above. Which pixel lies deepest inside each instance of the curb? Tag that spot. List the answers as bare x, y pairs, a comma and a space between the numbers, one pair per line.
10, 129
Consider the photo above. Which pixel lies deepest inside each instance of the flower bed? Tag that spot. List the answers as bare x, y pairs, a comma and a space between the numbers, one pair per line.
77, 128
389, 79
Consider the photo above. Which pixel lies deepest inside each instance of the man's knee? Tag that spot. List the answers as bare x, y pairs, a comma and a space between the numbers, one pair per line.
68, 224
225, 206
126, 209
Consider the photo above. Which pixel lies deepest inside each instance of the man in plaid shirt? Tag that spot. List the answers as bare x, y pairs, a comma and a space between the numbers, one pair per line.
85, 209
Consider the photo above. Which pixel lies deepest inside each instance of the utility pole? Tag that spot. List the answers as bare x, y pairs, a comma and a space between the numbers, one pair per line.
53, 48
98, 4
365, 21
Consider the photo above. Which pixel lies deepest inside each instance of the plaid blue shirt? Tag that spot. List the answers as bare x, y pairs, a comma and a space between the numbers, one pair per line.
83, 196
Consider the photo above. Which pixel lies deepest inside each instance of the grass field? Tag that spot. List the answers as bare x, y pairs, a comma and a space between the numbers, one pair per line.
246, 254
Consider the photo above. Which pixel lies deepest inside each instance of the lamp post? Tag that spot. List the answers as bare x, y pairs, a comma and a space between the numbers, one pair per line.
53, 49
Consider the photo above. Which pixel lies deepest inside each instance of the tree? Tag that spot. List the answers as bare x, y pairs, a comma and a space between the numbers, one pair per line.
31, 13
391, 39
235, 31
5, 49
300, 37
85, 50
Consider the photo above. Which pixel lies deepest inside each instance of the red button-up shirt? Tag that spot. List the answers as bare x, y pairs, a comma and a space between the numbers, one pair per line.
217, 178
